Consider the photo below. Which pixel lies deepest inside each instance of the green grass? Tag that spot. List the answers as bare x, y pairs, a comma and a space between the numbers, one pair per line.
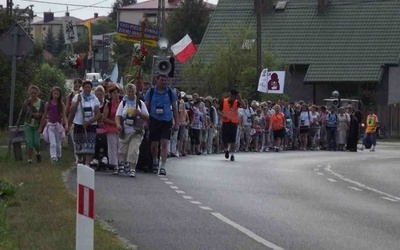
40, 213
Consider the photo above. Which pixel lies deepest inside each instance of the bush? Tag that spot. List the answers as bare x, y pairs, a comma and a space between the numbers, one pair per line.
6, 188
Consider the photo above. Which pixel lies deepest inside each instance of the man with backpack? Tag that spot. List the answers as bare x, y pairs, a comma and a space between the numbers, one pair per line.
162, 105
372, 123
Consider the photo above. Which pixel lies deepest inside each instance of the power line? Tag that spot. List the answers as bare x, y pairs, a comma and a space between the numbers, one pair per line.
71, 4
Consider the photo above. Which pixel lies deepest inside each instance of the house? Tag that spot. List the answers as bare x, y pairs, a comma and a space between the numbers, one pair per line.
351, 46
135, 13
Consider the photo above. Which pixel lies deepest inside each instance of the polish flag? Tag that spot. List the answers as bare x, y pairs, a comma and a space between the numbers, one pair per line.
184, 49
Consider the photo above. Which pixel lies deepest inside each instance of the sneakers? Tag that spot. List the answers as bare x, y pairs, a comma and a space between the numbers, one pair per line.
232, 158
116, 170
132, 173
162, 171
94, 162
226, 154
361, 148
29, 161
104, 160
54, 160
372, 148
38, 158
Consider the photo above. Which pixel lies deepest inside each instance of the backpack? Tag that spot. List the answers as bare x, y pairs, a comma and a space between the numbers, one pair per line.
152, 94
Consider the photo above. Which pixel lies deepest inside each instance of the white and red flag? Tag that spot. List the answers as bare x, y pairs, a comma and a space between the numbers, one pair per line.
183, 49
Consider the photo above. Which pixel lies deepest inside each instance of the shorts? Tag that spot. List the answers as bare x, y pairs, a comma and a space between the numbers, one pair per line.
304, 129
195, 136
228, 133
159, 129
279, 134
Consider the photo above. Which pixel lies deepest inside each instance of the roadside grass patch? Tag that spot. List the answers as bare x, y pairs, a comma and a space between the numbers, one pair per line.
38, 211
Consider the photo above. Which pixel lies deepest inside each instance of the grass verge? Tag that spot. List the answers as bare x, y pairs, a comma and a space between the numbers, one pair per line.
41, 213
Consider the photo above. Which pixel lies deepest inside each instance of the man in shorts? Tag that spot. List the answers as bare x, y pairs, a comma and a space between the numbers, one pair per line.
230, 118
162, 105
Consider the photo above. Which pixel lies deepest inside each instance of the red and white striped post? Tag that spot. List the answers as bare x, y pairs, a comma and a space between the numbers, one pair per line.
85, 208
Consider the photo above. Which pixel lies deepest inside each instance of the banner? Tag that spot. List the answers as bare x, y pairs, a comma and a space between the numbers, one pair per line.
123, 37
271, 82
70, 33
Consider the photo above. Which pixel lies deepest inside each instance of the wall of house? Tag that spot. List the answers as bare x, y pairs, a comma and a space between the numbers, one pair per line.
394, 85
296, 88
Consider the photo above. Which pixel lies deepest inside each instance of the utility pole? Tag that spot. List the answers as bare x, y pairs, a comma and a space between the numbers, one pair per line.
9, 7
259, 40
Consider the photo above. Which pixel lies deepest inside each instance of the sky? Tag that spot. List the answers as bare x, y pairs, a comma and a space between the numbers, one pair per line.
59, 7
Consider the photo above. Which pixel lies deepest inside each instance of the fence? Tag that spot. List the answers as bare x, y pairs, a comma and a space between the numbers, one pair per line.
389, 116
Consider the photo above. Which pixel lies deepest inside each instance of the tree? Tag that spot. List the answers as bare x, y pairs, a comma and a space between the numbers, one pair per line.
192, 17
50, 41
60, 43
103, 26
118, 4
232, 67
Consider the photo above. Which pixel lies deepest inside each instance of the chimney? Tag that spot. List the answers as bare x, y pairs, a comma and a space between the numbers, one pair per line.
322, 5
96, 15
48, 17
266, 5
67, 13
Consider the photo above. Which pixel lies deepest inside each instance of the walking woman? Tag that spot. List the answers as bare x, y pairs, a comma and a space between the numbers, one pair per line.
54, 123
110, 127
31, 115
130, 117
278, 126
86, 108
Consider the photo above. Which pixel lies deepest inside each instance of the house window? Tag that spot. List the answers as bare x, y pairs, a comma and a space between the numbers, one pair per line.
44, 28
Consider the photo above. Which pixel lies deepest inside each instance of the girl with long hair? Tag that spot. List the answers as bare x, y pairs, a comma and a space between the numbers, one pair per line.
54, 123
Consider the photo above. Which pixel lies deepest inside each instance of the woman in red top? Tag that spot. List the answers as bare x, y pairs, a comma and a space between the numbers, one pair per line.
278, 126
110, 126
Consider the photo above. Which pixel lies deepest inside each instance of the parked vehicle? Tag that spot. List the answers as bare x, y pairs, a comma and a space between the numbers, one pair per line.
95, 78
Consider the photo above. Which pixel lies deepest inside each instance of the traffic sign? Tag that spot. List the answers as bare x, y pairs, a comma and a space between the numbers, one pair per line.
25, 42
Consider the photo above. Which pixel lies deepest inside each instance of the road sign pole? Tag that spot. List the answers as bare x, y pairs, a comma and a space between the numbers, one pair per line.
85, 208
15, 35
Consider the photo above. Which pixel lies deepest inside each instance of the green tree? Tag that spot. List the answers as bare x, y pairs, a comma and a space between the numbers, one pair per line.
232, 67
60, 43
118, 4
46, 77
50, 41
192, 17
103, 26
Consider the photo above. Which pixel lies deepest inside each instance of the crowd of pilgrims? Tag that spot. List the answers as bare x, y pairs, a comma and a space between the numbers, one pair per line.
306, 125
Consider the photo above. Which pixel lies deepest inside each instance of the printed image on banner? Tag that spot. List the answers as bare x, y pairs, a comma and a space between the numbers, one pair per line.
135, 30
70, 33
275, 82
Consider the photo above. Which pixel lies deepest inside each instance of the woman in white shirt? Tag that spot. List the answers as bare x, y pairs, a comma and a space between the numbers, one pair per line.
305, 118
85, 107
130, 117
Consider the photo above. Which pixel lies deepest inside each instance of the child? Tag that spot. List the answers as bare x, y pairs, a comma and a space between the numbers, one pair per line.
54, 123
30, 115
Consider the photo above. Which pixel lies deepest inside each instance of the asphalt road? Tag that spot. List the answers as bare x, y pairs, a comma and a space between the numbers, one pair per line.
287, 200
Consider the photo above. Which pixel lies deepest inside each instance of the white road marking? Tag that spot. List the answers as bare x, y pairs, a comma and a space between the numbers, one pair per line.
180, 192
316, 169
247, 232
174, 187
187, 197
331, 180
354, 188
164, 179
168, 182
320, 173
196, 202
206, 208
328, 169
389, 199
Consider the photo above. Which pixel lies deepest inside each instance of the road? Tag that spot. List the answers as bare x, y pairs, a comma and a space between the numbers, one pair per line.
287, 200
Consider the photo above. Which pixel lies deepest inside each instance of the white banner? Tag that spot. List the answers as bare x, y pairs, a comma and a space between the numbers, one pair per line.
272, 82
262, 83
70, 33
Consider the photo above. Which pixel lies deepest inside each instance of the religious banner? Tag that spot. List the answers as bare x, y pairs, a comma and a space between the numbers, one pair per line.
272, 82
70, 33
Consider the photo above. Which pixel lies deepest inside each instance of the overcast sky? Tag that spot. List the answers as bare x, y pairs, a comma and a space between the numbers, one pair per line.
59, 7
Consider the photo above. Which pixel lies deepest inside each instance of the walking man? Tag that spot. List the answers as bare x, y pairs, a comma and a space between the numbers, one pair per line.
162, 105
370, 130
230, 119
